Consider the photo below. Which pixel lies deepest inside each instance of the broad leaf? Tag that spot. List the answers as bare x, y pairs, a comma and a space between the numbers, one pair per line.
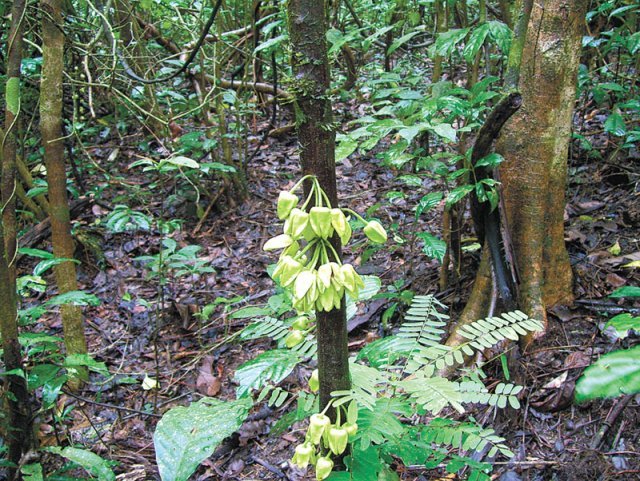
612, 375
78, 298
91, 462
615, 125
186, 436
626, 291
623, 324
475, 42
428, 202
434, 247
273, 366
345, 148
445, 131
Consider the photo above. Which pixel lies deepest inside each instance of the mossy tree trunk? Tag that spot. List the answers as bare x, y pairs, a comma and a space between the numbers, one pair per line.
316, 136
9, 138
51, 130
18, 436
534, 143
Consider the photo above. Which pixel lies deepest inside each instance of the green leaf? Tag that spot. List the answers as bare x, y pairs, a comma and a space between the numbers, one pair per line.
612, 375
434, 247
91, 462
457, 194
39, 253
475, 42
615, 125
623, 324
447, 41
626, 291
345, 148
397, 43
364, 465
385, 351
250, 311
78, 298
273, 366
181, 161
45, 265
492, 160
186, 436
428, 202
445, 131
76, 360
32, 472
270, 43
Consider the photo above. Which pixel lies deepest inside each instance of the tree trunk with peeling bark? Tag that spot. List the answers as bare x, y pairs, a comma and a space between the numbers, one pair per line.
316, 136
51, 130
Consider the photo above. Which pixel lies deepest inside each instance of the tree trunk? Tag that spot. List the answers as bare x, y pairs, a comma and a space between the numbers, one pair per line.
316, 135
18, 435
9, 137
535, 145
51, 130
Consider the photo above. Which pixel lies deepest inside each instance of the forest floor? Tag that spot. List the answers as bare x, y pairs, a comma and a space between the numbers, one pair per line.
190, 358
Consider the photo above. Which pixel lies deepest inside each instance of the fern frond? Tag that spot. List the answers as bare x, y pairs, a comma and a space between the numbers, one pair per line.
433, 393
465, 437
481, 334
476, 392
265, 327
422, 328
277, 330
364, 386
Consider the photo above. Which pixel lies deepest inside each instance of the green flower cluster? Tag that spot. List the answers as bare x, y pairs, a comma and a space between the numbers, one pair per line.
323, 436
309, 266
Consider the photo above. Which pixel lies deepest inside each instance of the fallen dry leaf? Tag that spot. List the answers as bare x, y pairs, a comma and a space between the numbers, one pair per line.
207, 383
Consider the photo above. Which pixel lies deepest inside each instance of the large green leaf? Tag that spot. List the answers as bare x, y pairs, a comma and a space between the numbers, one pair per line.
475, 42
433, 246
273, 365
91, 462
626, 291
622, 324
613, 374
186, 436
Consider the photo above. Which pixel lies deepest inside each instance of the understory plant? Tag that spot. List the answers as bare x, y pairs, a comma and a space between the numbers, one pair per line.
616, 373
392, 410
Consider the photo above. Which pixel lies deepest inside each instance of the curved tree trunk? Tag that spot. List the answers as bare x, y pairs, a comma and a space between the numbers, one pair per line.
51, 130
316, 135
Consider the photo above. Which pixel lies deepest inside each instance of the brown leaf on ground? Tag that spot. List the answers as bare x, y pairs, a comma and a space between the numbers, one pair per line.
207, 383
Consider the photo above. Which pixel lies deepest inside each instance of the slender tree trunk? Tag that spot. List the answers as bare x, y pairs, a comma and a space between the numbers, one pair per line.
18, 436
51, 130
441, 26
9, 137
307, 29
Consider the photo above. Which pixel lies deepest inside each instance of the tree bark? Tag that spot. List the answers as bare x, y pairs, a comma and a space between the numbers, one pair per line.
535, 145
18, 435
51, 130
316, 136
9, 137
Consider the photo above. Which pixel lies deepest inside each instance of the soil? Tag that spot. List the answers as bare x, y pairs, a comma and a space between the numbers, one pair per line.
190, 357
